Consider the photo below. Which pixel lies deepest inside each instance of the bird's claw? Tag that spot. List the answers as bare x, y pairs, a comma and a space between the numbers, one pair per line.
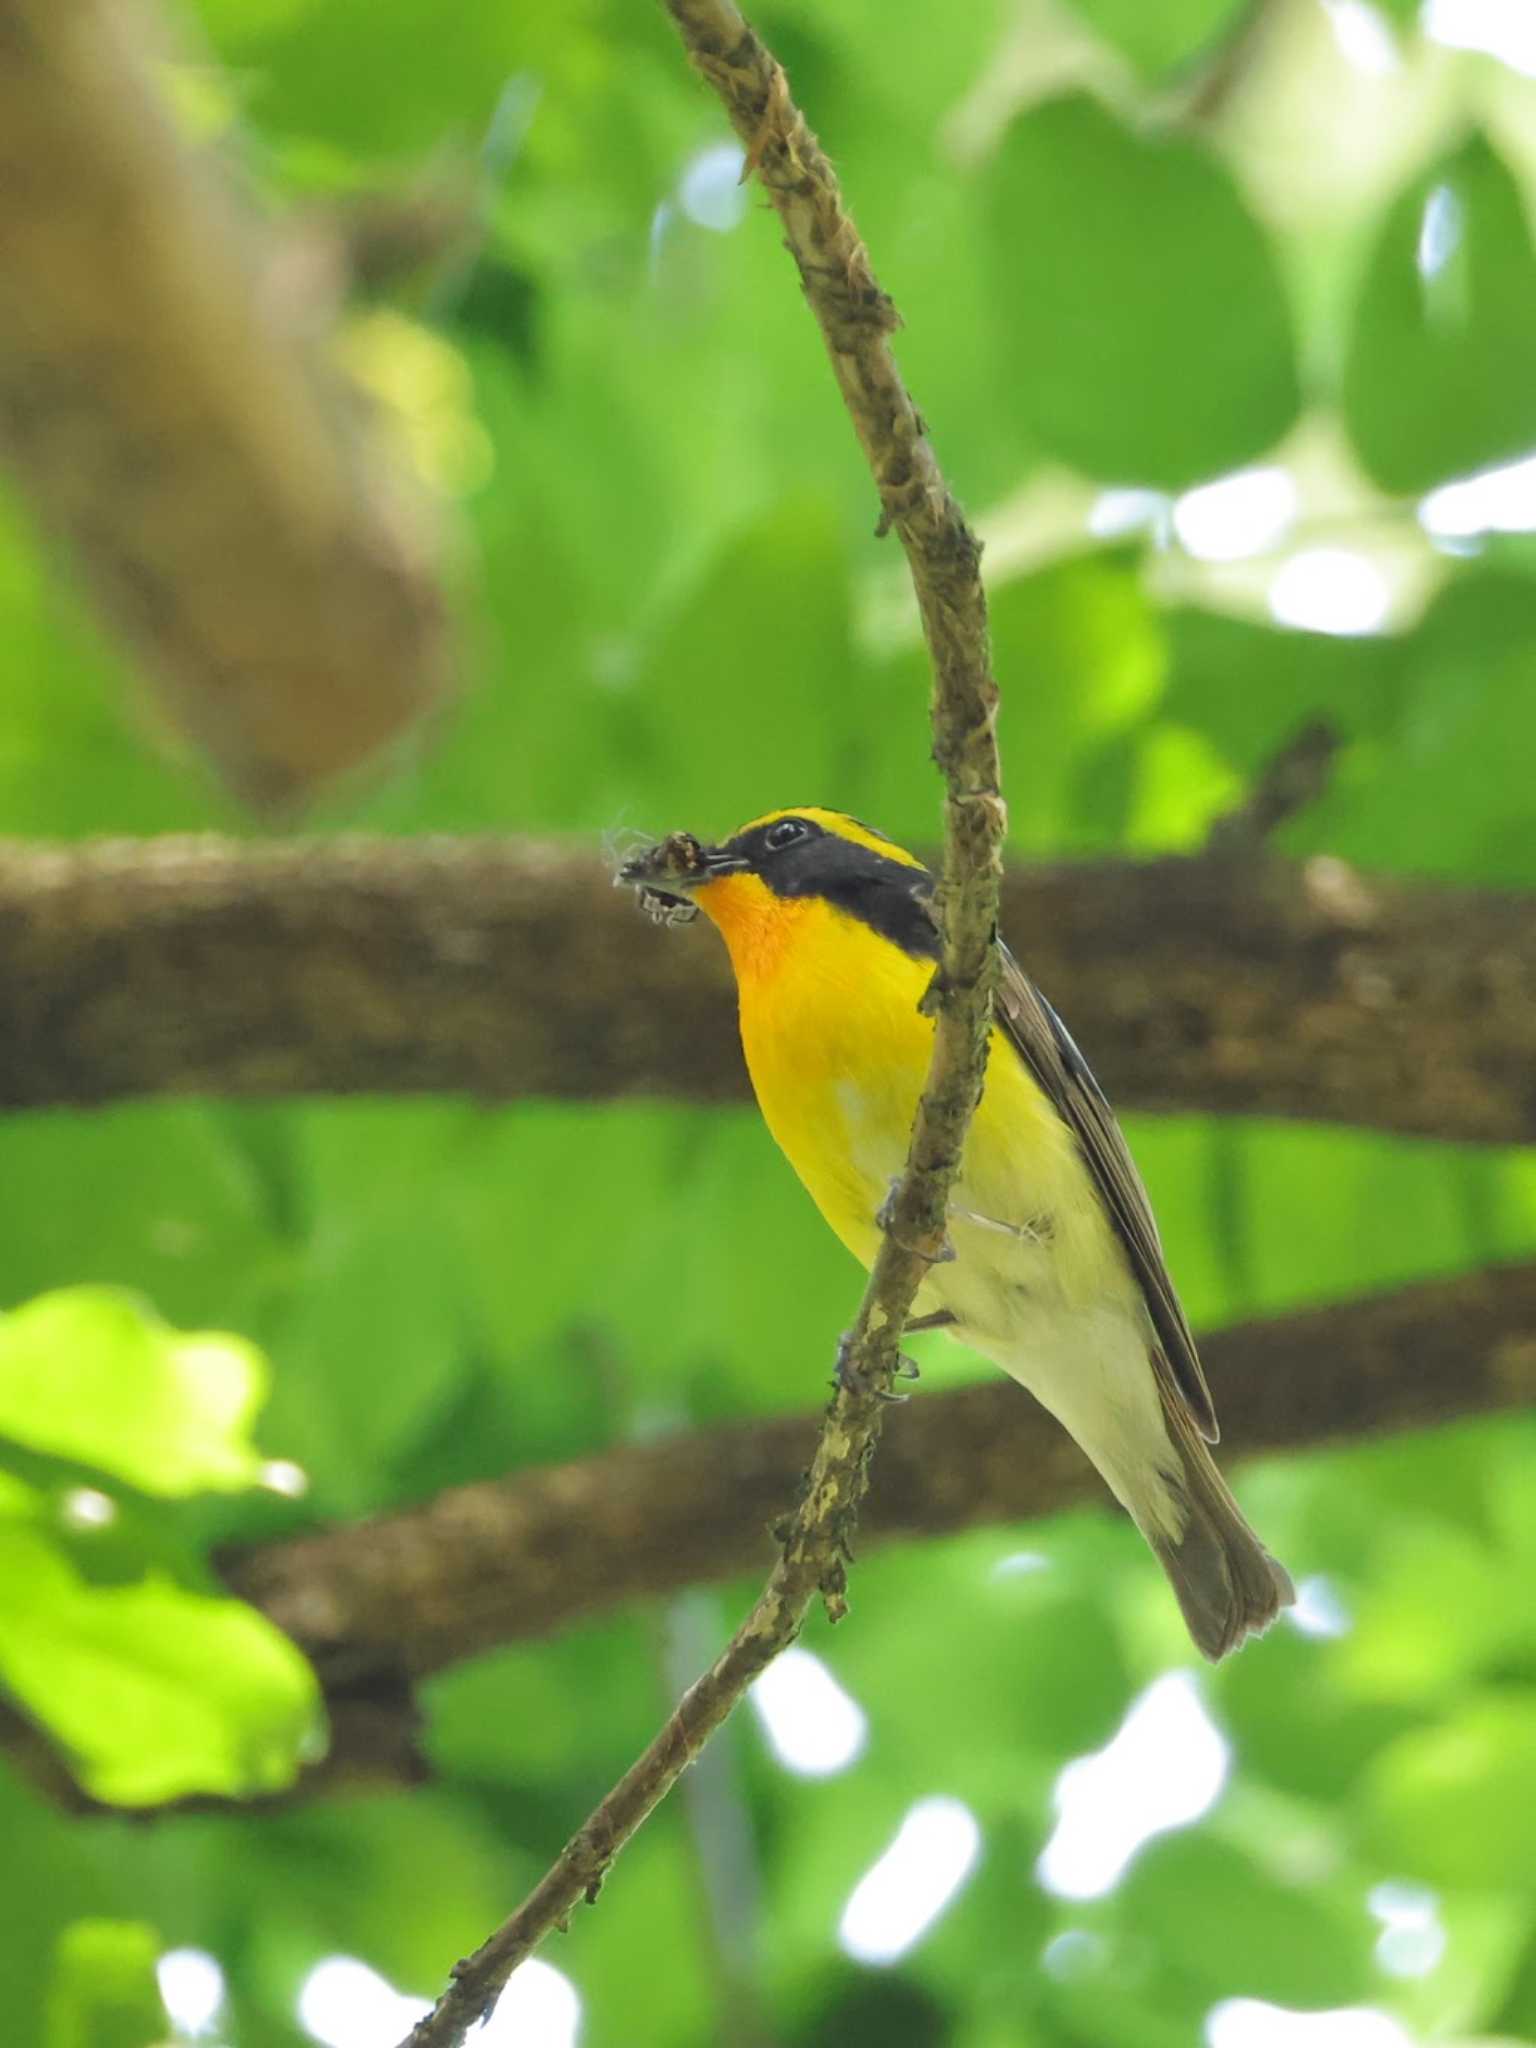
853, 1379
885, 1218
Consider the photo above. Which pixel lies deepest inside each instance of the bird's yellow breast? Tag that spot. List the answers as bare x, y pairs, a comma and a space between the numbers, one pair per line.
838, 1052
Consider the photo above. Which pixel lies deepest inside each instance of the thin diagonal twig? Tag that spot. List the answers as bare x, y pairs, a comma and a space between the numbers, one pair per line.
856, 319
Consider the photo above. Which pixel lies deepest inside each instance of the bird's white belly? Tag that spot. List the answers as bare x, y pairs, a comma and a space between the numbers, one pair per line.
1040, 1285
1028, 1241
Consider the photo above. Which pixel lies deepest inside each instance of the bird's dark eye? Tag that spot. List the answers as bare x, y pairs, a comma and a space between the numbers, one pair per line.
785, 833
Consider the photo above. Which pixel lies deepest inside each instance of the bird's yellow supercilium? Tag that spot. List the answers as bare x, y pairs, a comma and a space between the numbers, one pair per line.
1058, 1274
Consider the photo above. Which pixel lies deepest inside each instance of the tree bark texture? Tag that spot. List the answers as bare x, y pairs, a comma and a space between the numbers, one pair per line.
381, 1604
504, 968
411, 1593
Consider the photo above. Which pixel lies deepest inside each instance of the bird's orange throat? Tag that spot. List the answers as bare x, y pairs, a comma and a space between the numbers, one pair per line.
757, 926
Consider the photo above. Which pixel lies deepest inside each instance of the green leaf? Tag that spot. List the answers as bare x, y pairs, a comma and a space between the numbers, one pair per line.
545, 1190
1448, 792
1465, 1992
104, 1992
1452, 1804
1438, 375
1185, 1164
337, 1875
64, 703
178, 1214
156, 1691
776, 728
369, 82
1248, 687
371, 1333
1324, 1213
1008, 1607
1156, 38
1151, 341
1179, 787
545, 1717
1086, 634
847, 2005
90, 1375
1116, 2007
1295, 1724
1293, 1944
1437, 1612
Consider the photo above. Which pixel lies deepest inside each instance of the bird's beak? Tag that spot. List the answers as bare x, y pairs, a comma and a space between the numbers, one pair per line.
667, 875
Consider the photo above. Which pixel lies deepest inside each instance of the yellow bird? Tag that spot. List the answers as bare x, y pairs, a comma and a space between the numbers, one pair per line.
1058, 1274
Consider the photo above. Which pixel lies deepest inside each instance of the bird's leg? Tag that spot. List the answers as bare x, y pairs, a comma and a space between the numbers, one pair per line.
936, 1319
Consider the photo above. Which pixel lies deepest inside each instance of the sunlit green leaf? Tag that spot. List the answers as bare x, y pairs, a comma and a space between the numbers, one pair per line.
1446, 794
1437, 380
1032, 1670
1086, 642
1293, 1683
180, 1216
1288, 1942
1450, 1804
1156, 38
153, 1690
104, 1992
1129, 271
90, 1375
1437, 1613
1465, 1991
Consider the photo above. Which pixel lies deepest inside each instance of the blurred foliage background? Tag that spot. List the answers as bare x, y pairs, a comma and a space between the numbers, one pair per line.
1224, 322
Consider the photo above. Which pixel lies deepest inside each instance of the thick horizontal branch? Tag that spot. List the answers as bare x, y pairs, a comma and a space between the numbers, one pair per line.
167, 408
381, 1604
504, 968
408, 1594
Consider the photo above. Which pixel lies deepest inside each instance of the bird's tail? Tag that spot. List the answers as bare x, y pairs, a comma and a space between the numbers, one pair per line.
1227, 1583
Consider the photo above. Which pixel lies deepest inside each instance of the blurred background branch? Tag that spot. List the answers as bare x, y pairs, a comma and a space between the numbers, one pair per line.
382, 1604
169, 410
409, 1594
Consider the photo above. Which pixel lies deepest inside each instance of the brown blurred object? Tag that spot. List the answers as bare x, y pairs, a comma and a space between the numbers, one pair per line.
168, 410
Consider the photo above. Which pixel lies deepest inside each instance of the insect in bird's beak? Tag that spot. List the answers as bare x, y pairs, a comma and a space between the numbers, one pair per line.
665, 875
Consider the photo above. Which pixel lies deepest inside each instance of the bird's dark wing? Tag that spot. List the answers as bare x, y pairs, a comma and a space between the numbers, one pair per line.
1044, 1044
